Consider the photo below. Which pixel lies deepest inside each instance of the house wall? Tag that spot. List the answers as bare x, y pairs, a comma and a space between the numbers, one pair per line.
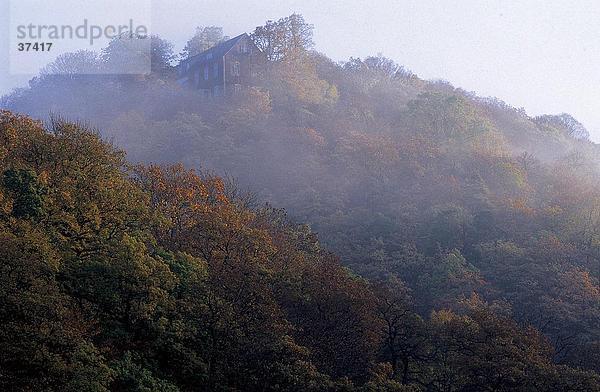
240, 64
226, 74
195, 76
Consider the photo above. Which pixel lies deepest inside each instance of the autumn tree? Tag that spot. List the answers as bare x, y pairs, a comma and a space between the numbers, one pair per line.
285, 38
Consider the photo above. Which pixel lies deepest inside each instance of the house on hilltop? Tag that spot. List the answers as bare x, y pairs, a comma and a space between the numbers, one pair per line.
222, 70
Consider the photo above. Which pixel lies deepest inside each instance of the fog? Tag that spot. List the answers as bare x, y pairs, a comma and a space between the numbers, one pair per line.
538, 55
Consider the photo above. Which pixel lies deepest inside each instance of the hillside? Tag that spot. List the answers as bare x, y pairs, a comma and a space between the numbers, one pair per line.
467, 232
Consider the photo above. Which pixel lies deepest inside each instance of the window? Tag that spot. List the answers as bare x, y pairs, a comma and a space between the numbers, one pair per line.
209, 56
243, 48
206, 72
216, 70
235, 68
237, 88
217, 91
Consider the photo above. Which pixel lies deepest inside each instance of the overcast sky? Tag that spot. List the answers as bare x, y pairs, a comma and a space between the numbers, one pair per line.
540, 55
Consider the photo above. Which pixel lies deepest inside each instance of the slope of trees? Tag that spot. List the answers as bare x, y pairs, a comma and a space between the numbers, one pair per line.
120, 277
468, 233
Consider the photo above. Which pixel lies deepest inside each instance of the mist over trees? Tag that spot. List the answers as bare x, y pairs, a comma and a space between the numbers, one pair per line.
436, 240
203, 39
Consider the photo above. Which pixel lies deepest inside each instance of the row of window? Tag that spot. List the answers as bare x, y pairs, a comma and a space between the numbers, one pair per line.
215, 71
235, 70
217, 91
244, 48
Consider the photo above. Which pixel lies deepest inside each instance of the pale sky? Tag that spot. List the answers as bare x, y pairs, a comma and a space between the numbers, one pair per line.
540, 55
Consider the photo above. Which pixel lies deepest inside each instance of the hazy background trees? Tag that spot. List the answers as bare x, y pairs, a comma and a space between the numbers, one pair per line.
203, 39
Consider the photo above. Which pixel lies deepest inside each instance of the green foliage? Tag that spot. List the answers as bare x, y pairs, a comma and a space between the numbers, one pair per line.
45, 345
130, 376
29, 193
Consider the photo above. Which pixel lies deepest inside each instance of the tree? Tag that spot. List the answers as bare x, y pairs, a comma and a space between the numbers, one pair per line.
484, 350
130, 55
161, 54
204, 39
44, 338
74, 63
29, 193
564, 123
286, 38
405, 342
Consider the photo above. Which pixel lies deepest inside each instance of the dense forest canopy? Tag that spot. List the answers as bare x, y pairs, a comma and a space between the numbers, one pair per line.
458, 243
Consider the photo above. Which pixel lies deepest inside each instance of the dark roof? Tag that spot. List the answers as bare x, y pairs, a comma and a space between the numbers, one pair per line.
216, 51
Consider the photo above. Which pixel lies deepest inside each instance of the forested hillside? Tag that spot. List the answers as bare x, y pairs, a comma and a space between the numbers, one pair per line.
464, 233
